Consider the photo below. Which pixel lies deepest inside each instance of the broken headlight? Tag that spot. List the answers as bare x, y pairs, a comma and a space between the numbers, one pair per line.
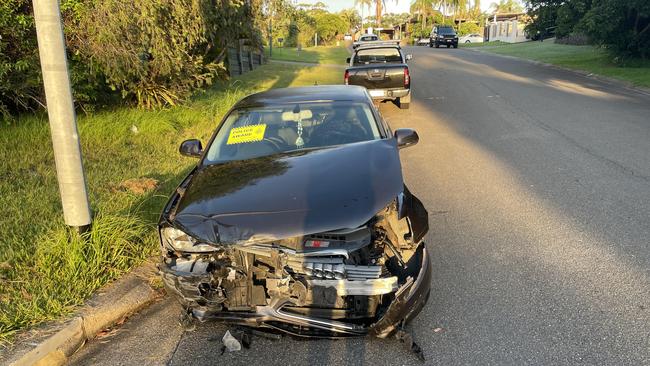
180, 241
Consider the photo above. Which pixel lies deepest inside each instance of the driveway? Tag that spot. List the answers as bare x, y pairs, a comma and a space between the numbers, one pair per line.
537, 183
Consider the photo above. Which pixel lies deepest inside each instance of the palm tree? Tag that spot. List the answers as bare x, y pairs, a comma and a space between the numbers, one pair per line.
379, 6
507, 6
363, 3
457, 5
424, 8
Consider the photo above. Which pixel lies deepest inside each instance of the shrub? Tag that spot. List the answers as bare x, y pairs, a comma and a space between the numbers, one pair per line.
20, 81
146, 48
328, 25
623, 27
469, 28
574, 39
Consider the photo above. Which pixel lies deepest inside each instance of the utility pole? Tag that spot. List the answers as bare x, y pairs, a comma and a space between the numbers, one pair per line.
60, 111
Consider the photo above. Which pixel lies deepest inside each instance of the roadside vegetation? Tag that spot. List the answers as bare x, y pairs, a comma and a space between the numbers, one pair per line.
587, 58
132, 165
321, 55
484, 44
620, 27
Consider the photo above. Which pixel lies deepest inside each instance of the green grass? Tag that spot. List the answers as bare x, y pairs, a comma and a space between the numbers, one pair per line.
319, 55
484, 44
586, 58
45, 270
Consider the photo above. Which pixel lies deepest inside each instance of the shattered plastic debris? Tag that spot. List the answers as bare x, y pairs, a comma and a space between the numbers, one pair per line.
230, 342
407, 339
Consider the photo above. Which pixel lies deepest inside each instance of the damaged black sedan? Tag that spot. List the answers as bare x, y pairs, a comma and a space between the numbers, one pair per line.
296, 218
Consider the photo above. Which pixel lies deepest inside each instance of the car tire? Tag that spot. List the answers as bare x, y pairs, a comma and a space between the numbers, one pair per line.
468, 41
448, 46
456, 45
404, 102
437, 45
430, 45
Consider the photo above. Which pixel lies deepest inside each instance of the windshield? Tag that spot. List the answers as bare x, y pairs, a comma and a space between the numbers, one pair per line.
368, 38
253, 132
446, 31
377, 55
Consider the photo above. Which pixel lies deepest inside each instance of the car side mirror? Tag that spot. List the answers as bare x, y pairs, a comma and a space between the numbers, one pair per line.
409, 57
347, 60
406, 137
192, 148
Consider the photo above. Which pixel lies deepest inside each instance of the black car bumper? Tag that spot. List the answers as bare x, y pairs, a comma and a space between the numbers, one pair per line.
388, 94
408, 300
445, 42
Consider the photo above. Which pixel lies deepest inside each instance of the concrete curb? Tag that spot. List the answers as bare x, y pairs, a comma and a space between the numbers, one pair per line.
618, 82
119, 300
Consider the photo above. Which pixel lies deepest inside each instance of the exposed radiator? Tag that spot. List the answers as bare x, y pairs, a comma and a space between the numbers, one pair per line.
334, 268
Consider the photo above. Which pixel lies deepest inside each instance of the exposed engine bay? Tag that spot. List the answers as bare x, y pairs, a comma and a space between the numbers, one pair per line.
338, 283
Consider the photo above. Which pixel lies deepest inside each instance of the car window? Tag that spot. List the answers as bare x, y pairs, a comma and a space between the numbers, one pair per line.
446, 30
377, 55
369, 38
261, 131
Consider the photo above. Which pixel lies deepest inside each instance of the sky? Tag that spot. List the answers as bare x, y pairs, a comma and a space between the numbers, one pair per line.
392, 6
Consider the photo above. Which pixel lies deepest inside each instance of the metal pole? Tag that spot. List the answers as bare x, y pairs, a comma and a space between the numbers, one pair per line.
60, 110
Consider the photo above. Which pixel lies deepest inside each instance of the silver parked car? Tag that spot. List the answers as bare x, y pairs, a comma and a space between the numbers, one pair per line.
471, 38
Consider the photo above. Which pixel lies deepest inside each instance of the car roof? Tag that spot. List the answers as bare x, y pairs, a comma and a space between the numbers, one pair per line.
379, 44
305, 94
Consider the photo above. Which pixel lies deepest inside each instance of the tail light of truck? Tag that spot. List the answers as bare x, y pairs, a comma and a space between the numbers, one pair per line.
347, 77
407, 78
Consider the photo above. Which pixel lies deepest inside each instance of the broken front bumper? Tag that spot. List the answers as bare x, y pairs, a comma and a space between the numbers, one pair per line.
409, 299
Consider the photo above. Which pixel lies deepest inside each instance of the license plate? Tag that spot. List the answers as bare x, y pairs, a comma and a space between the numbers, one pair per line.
377, 93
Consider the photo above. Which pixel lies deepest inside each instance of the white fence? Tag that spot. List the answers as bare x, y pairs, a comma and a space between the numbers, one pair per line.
510, 31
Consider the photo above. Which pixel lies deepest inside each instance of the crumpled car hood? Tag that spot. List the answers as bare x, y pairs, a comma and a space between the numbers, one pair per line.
293, 194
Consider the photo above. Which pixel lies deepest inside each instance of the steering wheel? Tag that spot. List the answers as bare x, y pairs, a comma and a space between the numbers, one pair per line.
324, 133
274, 144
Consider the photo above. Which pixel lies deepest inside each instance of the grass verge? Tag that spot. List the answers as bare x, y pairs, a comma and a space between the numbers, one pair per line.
586, 58
132, 164
319, 55
484, 44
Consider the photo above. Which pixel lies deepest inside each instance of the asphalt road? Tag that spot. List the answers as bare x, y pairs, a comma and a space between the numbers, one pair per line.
537, 183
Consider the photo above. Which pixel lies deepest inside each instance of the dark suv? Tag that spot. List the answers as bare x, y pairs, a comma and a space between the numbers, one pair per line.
443, 35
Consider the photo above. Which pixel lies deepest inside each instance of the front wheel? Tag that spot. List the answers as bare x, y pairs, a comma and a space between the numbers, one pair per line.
437, 45
430, 45
467, 41
456, 45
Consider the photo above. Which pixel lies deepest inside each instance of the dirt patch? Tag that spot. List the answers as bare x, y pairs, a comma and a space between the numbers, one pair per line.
138, 185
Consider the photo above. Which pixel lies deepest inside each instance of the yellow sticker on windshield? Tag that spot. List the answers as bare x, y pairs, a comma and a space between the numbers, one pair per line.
243, 134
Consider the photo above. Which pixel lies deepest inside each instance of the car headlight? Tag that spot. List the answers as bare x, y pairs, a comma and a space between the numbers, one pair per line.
178, 240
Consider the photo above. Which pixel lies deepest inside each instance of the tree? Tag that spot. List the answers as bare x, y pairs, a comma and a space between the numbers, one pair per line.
623, 27
351, 18
363, 3
379, 6
507, 6
328, 25
423, 9
543, 14
569, 15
